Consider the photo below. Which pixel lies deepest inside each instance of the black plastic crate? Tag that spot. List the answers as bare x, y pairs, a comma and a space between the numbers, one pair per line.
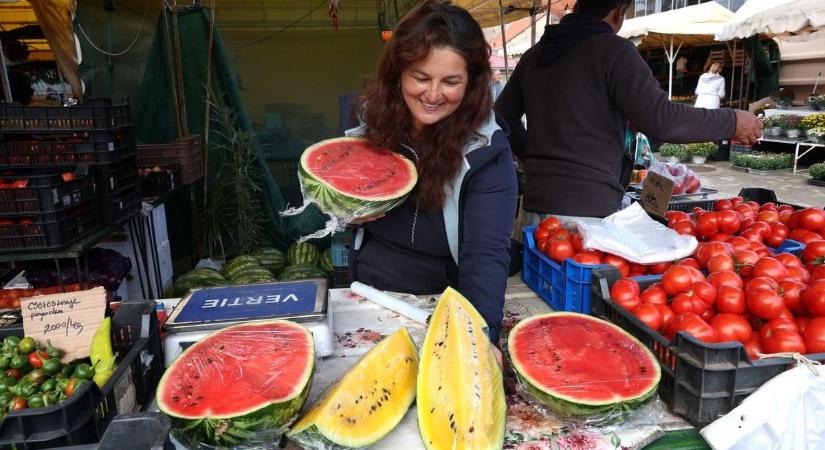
700, 382
49, 231
762, 195
97, 114
341, 277
116, 176
44, 193
117, 207
156, 184
83, 417
134, 431
95, 147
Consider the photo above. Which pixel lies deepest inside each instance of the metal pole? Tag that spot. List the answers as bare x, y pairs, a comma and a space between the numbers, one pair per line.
532, 23
171, 68
4, 74
733, 70
503, 40
670, 68
179, 71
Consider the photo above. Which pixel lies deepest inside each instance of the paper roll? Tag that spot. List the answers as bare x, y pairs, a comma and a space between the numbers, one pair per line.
392, 303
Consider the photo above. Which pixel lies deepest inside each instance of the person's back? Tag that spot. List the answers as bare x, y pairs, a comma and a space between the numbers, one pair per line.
711, 88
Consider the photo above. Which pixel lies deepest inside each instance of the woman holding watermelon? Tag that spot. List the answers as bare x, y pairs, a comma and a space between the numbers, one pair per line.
431, 102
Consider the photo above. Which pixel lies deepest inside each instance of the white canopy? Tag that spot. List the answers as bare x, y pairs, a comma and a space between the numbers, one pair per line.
773, 17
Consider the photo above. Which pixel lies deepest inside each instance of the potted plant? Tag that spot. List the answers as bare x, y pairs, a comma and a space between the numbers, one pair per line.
791, 126
817, 171
699, 152
816, 134
771, 125
673, 153
816, 102
812, 121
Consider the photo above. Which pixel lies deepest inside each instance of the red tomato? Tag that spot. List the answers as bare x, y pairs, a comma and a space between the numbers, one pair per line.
728, 221
771, 268
814, 298
731, 327
667, 315
576, 240
738, 200
36, 359
804, 236
687, 303
693, 325
802, 322
674, 217
655, 295
722, 205
814, 253
560, 234
720, 263
540, 234
728, 278
587, 258
550, 224
753, 347
739, 243
730, 300
788, 260
685, 227
817, 273
707, 224
744, 260
707, 250
792, 294
814, 335
68, 176
623, 289
765, 303
745, 211
638, 268
768, 216
720, 237
677, 279
781, 341
649, 315
779, 232
689, 262
704, 291
559, 250
659, 268
811, 219
618, 262
778, 324
630, 303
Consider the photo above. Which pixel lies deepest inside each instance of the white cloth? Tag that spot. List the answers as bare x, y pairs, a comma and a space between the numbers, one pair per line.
709, 91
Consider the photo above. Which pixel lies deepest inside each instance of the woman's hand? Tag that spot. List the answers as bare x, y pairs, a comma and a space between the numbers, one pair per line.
361, 220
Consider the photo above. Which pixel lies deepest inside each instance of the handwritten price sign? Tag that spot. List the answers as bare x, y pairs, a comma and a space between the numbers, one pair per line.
67, 320
656, 193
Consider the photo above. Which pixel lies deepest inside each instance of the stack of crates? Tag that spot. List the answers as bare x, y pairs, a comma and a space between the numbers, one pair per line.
68, 171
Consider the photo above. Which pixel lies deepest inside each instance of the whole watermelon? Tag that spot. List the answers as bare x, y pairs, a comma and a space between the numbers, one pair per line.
303, 253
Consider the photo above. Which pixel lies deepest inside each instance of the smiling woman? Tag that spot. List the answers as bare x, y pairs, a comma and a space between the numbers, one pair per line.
430, 101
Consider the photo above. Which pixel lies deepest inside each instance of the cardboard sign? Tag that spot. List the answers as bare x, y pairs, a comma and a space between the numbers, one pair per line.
656, 193
68, 320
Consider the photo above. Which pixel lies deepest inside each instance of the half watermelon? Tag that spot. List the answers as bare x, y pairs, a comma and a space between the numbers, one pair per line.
349, 178
242, 385
579, 365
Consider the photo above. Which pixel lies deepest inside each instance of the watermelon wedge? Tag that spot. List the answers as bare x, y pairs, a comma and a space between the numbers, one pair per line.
239, 386
349, 178
579, 365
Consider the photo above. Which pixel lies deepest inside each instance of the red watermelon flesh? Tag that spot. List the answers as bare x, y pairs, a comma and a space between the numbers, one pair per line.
582, 360
354, 167
238, 369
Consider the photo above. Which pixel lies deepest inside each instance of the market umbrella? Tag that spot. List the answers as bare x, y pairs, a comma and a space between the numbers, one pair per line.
693, 25
774, 17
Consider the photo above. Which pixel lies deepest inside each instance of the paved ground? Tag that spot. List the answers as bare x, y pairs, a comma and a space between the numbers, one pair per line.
788, 187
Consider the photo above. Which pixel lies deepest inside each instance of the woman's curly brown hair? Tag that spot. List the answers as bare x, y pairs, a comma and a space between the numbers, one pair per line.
432, 24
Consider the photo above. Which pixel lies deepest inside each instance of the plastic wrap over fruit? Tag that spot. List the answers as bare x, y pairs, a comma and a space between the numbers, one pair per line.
349, 179
240, 387
367, 403
582, 369
685, 181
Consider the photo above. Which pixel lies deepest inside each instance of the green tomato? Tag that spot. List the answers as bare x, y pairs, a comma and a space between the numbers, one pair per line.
84, 372
48, 385
5, 362
10, 343
36, 401
19, 362
26, 345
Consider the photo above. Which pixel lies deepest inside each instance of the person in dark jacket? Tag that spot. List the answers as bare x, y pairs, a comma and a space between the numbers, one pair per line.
579, 86
431, 102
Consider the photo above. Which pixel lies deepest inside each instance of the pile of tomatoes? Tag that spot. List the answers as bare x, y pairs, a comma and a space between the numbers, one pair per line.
10, 298
769, 303
559, 244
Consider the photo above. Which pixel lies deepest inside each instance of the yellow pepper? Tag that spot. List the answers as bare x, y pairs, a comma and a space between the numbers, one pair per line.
104, 371
101, 349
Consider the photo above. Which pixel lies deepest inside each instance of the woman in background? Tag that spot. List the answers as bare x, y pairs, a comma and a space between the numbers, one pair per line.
711, 88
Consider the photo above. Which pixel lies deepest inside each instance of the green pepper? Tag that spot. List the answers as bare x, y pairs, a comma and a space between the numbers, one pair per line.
5, 398
48, 385
10, 381
19, 361
28, 390
5, 362
62, 383
53, 352
36, 401
84, 372
10, 343
52, 366
37, 376
54, 397
26, 345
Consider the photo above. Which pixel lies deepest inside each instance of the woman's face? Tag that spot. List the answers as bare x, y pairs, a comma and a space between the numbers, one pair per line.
433, 88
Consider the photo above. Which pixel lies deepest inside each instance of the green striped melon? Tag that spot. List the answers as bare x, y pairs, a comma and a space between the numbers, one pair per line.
239, 387
302, 272
349, 178
326, 260
239, 263
302, 253
272, 259
579, 365
197, 278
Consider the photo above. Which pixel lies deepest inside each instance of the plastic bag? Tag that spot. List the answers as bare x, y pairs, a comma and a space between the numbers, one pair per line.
685, 181
786, 413
377, 175
633, 235
643, 156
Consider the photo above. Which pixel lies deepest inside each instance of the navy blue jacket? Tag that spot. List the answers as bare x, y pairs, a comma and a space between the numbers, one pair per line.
467, 246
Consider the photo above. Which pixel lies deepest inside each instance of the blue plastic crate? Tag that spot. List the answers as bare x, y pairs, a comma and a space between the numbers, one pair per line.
340, 248
790, 246
565, 287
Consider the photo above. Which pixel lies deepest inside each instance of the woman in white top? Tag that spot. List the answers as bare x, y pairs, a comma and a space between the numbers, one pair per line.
711, 88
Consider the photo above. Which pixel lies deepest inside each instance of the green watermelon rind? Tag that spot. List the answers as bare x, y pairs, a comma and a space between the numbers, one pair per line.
275, 417
302, 253
302, 272
349, 205
258, 271
232, 271
326, 260
271, 259
311, 437
573, 407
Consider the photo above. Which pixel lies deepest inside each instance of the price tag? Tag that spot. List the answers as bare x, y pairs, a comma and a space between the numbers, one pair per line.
67, 320
656, 193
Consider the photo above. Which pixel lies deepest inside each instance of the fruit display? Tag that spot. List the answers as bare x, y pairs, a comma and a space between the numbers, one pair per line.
197, 278
685, 181
569, 361
460, 400
302, 253
239, 386
271, 259
106, 268
367, 403
348, 178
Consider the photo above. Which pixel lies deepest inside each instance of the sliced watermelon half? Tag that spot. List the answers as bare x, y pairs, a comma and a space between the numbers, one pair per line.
241, 385
579, 365
348, 177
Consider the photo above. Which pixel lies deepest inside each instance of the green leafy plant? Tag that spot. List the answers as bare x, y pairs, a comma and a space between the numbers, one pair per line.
813, 121
703, 149
763, 161
817, 171
673, 150
769, 122
791, 122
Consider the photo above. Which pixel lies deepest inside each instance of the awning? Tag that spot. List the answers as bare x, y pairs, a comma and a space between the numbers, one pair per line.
486, 12
693, 25
774, 17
